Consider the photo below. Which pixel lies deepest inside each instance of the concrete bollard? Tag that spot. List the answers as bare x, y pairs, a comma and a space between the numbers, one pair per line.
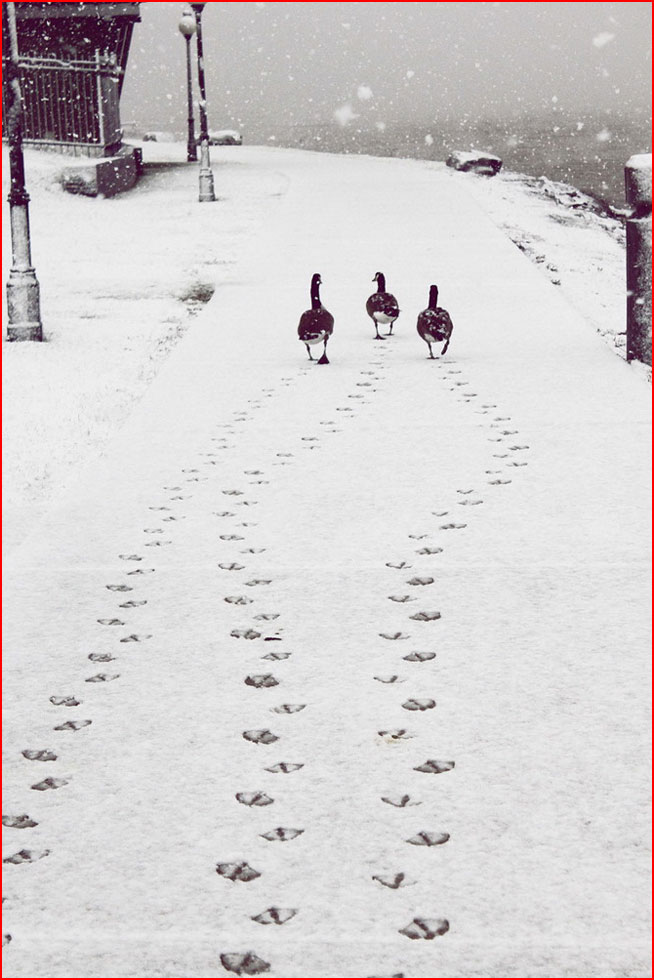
638, 185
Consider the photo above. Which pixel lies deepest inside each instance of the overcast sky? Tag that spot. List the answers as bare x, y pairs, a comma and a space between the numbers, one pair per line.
274, 64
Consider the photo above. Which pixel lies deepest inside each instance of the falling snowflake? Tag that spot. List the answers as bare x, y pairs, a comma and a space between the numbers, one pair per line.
429, 139
603, 136
410, 74
602, 39
381, 126
345, 115
364, 92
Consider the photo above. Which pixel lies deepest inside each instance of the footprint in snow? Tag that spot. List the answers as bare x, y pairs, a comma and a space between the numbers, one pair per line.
517, 464
498, 483
418, 537
426, 838
401, 801
233, 493
223, 513
428, 551
434, 767
425, 928
101, 658
392, 735
25, 857
420, 580
142, 571
119, 588
514, 449
260, 736
65, 701
133, 603
282, 834
261, 680
20, 822
244, 964
274, 916
130, 557
72, 726
399, 564
452, 527
469, 503
500, 455
277, 655
285, 767
393, 679
288, 709
101, 678
39, 755
394, 636
231, 567
419, 656
419, 704
136, 638
425, 617
50, 783
401, 598
232, 537
237, 871
247, 634
253, 551
256, 581
393, 881
238, 600
254, 799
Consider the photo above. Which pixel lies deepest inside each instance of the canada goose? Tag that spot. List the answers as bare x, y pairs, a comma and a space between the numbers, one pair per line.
382, 306
317, 324
434, 324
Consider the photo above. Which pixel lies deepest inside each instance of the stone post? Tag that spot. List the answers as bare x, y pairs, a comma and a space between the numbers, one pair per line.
638, 185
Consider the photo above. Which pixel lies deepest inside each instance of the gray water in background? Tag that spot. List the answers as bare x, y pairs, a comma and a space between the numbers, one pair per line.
589, 154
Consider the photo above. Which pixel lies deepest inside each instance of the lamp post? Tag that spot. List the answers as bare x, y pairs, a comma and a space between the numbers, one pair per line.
206, 175
187, 28
23, 294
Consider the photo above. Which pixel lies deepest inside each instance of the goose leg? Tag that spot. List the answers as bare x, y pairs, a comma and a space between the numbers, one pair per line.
323, 359
390, 329
447, 344
308, 351
378, 336
431, 353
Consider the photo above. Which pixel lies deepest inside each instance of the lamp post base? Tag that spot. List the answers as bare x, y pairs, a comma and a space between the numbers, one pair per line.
206, 175
23, 306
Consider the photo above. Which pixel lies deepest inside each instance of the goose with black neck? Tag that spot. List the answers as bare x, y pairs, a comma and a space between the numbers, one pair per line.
317, 324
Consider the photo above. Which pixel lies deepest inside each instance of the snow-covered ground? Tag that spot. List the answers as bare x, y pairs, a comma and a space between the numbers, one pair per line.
121, 279
344, 668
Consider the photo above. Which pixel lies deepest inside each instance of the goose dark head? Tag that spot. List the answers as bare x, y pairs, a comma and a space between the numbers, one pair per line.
380, 279
433, 297
315, 280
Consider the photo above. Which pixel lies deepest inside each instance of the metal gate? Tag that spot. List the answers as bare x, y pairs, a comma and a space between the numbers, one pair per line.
72, 105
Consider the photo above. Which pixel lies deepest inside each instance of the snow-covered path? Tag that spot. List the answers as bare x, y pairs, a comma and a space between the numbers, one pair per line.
249, 559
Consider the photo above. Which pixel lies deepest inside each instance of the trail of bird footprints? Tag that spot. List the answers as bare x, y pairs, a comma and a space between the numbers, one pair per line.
415, 573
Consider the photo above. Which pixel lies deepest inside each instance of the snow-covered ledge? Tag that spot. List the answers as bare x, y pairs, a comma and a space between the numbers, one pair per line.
638, 185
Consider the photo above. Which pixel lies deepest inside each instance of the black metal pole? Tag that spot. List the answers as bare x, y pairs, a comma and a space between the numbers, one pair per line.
206, 175
23, 293
191, 149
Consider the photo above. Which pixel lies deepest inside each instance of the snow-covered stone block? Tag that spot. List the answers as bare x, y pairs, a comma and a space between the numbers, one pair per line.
105, 176
472, 160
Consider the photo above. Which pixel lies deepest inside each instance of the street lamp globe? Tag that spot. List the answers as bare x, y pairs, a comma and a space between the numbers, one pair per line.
187, 23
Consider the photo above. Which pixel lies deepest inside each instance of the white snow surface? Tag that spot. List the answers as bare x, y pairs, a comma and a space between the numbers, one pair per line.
522, 454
